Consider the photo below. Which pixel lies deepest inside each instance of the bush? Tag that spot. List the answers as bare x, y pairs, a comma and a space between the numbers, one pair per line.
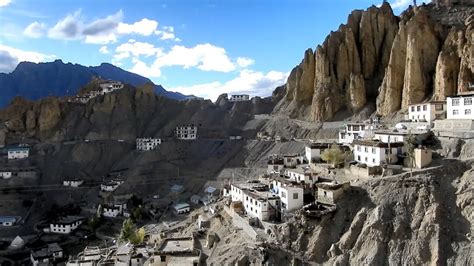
334, 155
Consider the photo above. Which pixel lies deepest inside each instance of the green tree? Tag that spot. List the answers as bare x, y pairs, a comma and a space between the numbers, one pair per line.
334, 155
130, 233
93, 223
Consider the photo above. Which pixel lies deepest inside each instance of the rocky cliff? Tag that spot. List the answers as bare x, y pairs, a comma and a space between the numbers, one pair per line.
385, 62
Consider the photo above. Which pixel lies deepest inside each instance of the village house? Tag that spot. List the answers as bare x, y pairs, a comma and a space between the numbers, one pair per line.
460, 107
176, 251
112, 211
427, 112
422, 157
73, 182
18, 153
377, 153
401, 135
110, 186
147, 144
239, 98
47, 255
210, 192
6, 174
290, 194
7, 220
110, 86
181, 208
256, 199
313, 151
291, 161
188, 132
331, 192
275, 166
301, 175
65, 225
354, 131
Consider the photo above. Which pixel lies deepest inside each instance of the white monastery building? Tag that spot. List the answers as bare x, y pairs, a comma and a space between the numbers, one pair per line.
376, 153
188, 132
257, 201
239, 98
65, 225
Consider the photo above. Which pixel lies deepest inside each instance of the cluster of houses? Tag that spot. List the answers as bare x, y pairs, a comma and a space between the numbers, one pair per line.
105, 87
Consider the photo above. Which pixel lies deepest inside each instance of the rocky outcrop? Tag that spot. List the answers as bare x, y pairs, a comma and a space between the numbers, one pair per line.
381, 60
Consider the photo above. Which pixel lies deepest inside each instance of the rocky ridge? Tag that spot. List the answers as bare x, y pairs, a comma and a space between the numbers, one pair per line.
384, 61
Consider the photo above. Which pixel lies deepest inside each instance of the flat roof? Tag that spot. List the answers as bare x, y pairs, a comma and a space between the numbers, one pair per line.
298, 170
277, 161
429, 102
330, 185
316, 145
67, 220
172, 245
462, 95
181, 206
18, 149
287, 181
379, 144
261, 195
400, 132
4, 219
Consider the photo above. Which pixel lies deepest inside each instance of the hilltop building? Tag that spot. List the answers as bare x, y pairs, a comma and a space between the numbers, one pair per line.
460, 107
239, 98
147, 144
65, 225
188, 132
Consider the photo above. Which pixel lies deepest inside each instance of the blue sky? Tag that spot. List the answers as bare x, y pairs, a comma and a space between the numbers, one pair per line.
196, 47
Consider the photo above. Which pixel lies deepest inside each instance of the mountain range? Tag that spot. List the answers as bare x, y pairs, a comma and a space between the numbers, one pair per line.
34, 81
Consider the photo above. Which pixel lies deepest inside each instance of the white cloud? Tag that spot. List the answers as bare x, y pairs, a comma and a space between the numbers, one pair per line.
104, 50
167, 34
35, 30
68, 28
4, 3
144, 27
136, 49
10, 57
250, 82
206, 57
141, 68
244, 62
402, 4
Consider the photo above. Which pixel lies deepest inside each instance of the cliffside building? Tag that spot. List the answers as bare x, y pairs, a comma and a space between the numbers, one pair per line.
147, 144
460, 107
239, 98
290, 194
15, 153
377, 153
257, 201
427, 112
65, 225
354, 131
329, 193
188, 132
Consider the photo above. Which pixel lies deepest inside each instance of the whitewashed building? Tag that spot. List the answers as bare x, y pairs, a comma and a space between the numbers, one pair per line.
109, 186
18, 153
239, 98
426, 112
181, 208
73, 182
354, 131
377, 153
47, 255
188, 132
65, 225
387, 136
275, 166
257, 201
110, 86
147, 144
291, 195
301, 176
112, 211
5, 174
291, 161
313, 151
460, 107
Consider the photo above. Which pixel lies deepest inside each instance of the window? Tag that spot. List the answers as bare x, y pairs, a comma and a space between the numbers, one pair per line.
467, 111
373, 150
418, 108
283, 194
455, 112
455, 102
366, 159
413, 108
425, 107
295, 195
373, 160
358, 148
439, 107
358, 157
355, 128
467, 101
366, 149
